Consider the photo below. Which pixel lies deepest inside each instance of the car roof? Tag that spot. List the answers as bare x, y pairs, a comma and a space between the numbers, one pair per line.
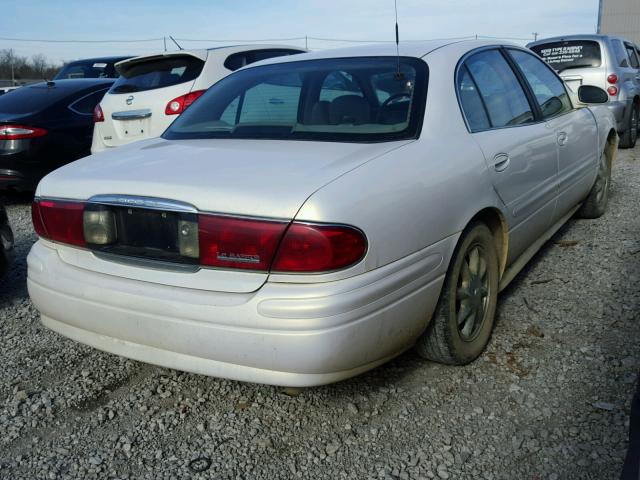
587, 36
416, 49
38, 97
203, 53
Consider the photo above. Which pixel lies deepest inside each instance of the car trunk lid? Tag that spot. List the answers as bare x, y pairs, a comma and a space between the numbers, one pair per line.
246, 178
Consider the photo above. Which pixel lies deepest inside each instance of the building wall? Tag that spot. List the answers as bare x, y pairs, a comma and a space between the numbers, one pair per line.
620, 17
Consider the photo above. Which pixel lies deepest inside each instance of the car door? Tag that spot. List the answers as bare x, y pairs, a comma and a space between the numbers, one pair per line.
520, 151
575, 129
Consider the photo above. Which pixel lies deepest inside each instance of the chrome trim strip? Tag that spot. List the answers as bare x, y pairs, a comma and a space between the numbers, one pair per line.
132, 114
152, 203
146, 262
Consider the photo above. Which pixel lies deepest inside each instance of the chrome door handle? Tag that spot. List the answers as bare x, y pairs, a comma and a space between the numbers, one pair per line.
563, 138
501, 162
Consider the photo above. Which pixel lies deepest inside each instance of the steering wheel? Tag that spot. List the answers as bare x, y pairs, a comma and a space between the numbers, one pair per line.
394, 98
390, 100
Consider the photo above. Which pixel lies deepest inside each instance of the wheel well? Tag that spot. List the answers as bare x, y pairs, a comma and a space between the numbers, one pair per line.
611, 148
493, 218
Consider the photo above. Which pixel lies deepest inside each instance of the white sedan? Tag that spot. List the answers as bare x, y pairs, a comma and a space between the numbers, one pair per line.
311, 217
153, 90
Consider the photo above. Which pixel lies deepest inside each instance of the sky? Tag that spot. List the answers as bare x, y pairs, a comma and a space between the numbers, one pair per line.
234, 21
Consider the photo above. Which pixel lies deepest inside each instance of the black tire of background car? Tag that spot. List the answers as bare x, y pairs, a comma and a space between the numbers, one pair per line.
630, 135
442, 341
631, 468
596, 202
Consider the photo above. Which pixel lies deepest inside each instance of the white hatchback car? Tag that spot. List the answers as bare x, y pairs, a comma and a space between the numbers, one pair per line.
154, 89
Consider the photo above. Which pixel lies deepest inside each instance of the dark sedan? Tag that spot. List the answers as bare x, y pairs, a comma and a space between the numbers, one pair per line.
44, 126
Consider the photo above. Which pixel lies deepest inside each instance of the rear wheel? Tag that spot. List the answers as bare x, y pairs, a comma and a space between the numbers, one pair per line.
596, 202
630, 136
464, 317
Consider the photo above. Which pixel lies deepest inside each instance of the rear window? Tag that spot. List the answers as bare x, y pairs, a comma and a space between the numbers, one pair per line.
157, 73
570, 54
239, 60
87, 69
86, 104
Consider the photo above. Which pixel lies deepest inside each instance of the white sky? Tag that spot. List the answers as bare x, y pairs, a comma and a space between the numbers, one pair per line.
258, 19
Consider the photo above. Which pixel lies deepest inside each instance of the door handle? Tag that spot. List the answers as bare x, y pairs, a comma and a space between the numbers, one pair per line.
563, 138
501, 162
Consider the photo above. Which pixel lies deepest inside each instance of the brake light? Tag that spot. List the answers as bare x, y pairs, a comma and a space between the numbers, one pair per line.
20, 132
319, 248
229, 242
613, 91
612, 79
180, 104
98, 115
60, 221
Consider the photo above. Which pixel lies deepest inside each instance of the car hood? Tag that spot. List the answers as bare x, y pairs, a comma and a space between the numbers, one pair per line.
264, 178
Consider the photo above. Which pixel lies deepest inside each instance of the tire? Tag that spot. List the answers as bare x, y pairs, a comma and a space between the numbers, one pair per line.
596, 202
630, 135
445, 341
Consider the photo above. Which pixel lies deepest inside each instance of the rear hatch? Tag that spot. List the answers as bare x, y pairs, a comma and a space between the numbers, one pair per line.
579, 62
134, 108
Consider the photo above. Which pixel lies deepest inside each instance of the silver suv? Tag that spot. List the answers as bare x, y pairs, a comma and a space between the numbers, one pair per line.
608, 62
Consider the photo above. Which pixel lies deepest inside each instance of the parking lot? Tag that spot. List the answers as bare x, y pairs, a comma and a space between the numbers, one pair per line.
548, 400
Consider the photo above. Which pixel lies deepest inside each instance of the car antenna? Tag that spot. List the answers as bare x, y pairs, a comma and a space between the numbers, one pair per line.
399, 75
174, 41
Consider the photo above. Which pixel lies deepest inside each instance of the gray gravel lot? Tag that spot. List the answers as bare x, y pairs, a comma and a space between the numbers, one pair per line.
548, 400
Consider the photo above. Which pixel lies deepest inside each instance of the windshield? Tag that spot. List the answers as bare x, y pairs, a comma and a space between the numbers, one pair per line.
340, 100
570, 54
149, 74
87, 69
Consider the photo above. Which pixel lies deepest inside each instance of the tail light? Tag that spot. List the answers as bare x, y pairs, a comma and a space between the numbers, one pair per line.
613, 91
612, 79
180, 104
60, 221
19, 132
319, 248
215, 240
98, 115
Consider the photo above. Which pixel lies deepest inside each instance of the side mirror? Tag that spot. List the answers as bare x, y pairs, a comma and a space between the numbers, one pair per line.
592, 95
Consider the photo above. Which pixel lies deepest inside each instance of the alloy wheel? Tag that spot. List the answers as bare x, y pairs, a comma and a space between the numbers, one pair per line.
472, 293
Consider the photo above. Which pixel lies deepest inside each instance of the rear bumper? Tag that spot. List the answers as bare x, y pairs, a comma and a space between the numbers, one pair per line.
283, 334
18, 171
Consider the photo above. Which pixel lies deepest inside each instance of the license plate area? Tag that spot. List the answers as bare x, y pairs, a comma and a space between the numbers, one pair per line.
149, 234
132, 128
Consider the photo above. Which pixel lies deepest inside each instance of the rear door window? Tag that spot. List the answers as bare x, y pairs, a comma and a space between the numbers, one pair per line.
472, 106
240, 59
500, 89
620, 53
633, 58
570, 54
157, 73
545, 85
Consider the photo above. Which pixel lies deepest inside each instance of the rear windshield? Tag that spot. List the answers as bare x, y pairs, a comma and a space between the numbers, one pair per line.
87, 69
157, 73
342, 99
570, 54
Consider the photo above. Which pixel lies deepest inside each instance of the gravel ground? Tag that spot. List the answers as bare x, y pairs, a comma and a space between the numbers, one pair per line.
548, 400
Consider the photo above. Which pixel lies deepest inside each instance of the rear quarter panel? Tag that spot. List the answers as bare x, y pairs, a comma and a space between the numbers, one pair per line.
419, 194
